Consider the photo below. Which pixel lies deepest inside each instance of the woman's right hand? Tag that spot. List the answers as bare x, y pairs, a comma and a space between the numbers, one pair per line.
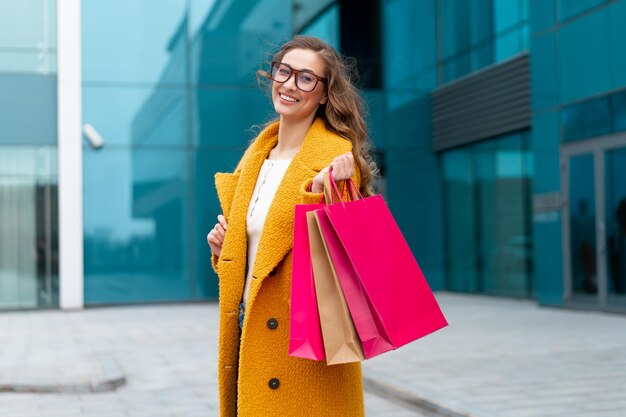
215, 238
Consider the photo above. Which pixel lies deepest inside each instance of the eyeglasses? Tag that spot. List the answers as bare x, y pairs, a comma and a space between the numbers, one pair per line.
305, 80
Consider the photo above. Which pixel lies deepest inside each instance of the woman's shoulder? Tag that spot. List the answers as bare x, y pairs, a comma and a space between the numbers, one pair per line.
328, 140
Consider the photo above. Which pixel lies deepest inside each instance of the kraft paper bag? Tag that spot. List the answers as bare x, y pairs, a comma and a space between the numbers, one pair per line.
341, 342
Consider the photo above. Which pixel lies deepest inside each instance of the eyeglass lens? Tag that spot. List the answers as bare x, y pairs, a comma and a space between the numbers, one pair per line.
304, 81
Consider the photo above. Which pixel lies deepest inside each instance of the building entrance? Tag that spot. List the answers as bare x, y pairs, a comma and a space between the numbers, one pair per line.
594, 223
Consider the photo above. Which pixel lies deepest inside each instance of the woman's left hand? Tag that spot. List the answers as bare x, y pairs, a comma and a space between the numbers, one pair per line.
342, 167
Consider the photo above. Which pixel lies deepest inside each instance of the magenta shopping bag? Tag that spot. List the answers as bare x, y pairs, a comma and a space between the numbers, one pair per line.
305, 332
389, 299
372, 333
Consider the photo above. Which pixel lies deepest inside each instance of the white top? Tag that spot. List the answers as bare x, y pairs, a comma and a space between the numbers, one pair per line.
267, 183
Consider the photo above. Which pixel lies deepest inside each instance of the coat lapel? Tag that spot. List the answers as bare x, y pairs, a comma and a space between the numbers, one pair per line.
317, 151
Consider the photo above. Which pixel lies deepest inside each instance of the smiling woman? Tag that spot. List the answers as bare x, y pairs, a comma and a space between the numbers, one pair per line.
320, 126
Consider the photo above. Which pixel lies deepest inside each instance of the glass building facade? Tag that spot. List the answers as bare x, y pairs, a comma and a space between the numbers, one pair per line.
169, 87
28, 155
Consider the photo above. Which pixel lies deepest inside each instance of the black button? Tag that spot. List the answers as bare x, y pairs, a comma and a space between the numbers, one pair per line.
273, 271
274, 383
272, 324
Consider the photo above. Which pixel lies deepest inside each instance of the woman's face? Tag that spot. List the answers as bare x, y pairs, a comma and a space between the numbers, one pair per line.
291, 102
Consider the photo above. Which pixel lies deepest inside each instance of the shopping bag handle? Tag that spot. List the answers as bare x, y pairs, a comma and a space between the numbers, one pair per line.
331, 190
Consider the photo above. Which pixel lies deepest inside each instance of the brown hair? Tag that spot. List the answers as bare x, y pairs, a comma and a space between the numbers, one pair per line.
344, 111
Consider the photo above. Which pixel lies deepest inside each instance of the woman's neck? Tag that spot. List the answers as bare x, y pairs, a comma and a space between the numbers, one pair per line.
291, 134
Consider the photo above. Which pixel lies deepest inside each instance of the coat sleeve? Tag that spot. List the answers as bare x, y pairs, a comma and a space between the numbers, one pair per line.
214, 259
308, 197
225, 183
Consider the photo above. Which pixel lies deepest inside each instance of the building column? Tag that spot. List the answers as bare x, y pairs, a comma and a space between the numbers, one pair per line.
69, 107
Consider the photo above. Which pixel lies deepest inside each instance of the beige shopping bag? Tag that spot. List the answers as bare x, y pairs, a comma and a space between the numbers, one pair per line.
341, 341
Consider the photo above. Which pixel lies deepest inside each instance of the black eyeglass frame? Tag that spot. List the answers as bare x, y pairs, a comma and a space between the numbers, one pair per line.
295, 72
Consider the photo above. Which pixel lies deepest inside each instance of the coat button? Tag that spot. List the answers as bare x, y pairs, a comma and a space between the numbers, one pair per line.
274, 383
273, 272
272, 324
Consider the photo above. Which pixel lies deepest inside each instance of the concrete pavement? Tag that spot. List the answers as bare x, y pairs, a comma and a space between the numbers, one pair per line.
510, 358
498, 358
167, 353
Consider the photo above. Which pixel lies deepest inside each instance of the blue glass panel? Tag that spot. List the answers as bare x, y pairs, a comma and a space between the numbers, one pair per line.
207, 207
508, 44
617, 35
28, 109
456, 67
616, 224
524, 36
587, 119
29, 245
584, 57
482, 21
405, 196
376, 116
137, 115
570, 8
507, 14
28, 37
486, 205
582, 224
525, 9
542, 14
460, 220
143, 41
409, 36
548, 271
455, 27
544, 72
545, 146
512, 201
225, 117
409, 120
231, 40
136, 226
618, 111
482, 56
326, 27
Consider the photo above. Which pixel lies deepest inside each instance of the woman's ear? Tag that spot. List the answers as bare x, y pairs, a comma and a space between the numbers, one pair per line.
324, 99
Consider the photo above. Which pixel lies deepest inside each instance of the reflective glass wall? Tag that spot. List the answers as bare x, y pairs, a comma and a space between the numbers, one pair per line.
28, 155
170, 87
477, 33
579, 102
489, 242
615, 178
400, 119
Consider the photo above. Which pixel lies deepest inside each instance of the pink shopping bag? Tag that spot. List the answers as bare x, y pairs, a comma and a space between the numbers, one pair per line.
372, 333
389, 299
305, 332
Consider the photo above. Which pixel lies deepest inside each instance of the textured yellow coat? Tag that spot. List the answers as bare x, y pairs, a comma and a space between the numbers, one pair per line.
306, 388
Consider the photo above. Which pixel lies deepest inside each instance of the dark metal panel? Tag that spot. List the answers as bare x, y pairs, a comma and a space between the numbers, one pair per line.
485, 104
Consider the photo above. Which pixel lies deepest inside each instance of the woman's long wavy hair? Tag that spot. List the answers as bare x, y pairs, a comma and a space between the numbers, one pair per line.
344, 111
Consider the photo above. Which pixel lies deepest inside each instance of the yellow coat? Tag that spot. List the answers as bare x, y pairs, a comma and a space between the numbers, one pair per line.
306, 388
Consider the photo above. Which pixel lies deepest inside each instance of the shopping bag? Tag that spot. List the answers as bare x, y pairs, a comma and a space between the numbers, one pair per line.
305, 333
341, 342
389, 298
371, 332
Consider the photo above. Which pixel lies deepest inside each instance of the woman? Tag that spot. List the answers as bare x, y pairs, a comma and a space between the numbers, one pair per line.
320, 127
